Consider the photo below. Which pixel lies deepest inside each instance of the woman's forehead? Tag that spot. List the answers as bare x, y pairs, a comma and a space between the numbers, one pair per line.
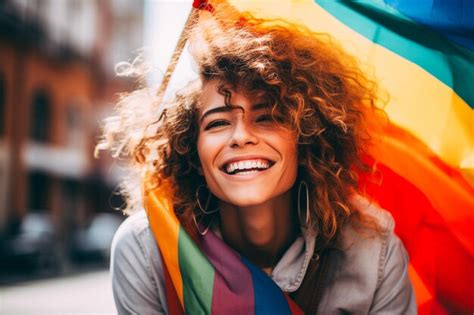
216, 93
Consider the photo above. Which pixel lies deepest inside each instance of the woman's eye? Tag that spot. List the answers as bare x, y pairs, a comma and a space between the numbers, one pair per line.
216, 123
264, 118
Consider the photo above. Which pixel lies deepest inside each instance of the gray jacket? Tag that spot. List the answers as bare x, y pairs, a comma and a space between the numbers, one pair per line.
371, 279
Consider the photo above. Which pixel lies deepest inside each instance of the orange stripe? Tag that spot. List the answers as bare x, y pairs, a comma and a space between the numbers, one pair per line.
423, 295
417, 145
160, 212
447, 191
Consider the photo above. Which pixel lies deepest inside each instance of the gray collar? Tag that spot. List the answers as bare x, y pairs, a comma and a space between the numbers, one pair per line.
290, 270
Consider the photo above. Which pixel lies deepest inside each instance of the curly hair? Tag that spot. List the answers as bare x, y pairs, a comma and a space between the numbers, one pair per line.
314, 87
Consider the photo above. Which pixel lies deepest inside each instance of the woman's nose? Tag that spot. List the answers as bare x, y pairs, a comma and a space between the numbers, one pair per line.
243, 134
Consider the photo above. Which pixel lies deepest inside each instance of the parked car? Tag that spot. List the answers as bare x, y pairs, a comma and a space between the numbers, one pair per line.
93, 242
32, 247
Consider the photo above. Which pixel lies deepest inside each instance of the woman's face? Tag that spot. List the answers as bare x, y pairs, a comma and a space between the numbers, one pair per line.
246, 158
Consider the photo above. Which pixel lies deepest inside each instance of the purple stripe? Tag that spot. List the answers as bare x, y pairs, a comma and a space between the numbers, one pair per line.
233, 285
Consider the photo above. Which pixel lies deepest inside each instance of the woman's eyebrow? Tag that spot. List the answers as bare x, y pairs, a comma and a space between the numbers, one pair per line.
228, 108
219, 109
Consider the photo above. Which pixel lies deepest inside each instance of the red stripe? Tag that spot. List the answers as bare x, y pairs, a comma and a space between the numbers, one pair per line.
440, 260
294, 308
174, 307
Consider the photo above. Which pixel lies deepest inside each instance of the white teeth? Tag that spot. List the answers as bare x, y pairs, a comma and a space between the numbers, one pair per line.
248, 172
247, 165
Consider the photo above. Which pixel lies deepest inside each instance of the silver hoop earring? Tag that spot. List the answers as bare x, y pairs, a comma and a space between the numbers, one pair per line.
197, 226
303, 183
204, 209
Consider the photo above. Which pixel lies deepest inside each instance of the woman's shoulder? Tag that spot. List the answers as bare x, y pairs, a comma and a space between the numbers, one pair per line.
372, 269
132, 228
369, 236
134, 238
136, 268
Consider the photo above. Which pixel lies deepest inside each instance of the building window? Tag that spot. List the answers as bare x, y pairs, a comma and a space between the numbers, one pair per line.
2, 105
39, 191
41, 117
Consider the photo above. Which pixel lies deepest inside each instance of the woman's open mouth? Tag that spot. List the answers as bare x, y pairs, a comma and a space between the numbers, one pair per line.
246, 167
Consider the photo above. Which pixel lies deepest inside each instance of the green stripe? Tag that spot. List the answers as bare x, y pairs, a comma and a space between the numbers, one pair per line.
450, 63
197, 274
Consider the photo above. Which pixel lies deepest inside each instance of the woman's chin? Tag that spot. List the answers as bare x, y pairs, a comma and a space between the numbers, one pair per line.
248, 199
252, 196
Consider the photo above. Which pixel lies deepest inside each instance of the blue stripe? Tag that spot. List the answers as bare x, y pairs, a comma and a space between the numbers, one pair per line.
269, 299
454, 19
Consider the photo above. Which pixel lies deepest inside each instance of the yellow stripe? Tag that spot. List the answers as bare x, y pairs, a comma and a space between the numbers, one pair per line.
160, 214
418, 101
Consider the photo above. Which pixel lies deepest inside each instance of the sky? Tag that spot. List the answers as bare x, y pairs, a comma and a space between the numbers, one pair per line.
164, 21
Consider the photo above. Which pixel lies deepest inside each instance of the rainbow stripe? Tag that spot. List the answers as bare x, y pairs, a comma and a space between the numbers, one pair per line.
421, 53
209, 277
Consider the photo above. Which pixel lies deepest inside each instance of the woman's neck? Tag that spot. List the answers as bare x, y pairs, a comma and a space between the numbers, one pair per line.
261, 233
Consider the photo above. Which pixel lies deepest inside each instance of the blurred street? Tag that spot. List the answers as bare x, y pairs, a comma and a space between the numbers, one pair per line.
58, 209
58, 203
82, 293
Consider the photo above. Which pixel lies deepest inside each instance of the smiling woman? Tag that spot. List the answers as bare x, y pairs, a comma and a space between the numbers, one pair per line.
234, 140
261, 155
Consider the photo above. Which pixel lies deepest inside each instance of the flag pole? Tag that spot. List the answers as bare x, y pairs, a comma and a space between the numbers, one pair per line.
190, 22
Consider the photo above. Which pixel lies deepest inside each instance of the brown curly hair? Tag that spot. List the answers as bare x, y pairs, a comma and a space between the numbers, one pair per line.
314, 87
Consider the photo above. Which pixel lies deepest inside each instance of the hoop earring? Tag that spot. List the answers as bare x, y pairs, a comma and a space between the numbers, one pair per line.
197, 226
204, 209
307, 202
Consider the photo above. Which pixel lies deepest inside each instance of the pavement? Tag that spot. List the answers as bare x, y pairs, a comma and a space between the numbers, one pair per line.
87, 293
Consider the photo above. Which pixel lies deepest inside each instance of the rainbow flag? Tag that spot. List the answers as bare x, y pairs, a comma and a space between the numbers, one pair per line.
421, 53
207, 276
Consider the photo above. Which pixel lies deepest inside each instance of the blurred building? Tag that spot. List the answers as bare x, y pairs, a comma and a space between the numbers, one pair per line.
56, 84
